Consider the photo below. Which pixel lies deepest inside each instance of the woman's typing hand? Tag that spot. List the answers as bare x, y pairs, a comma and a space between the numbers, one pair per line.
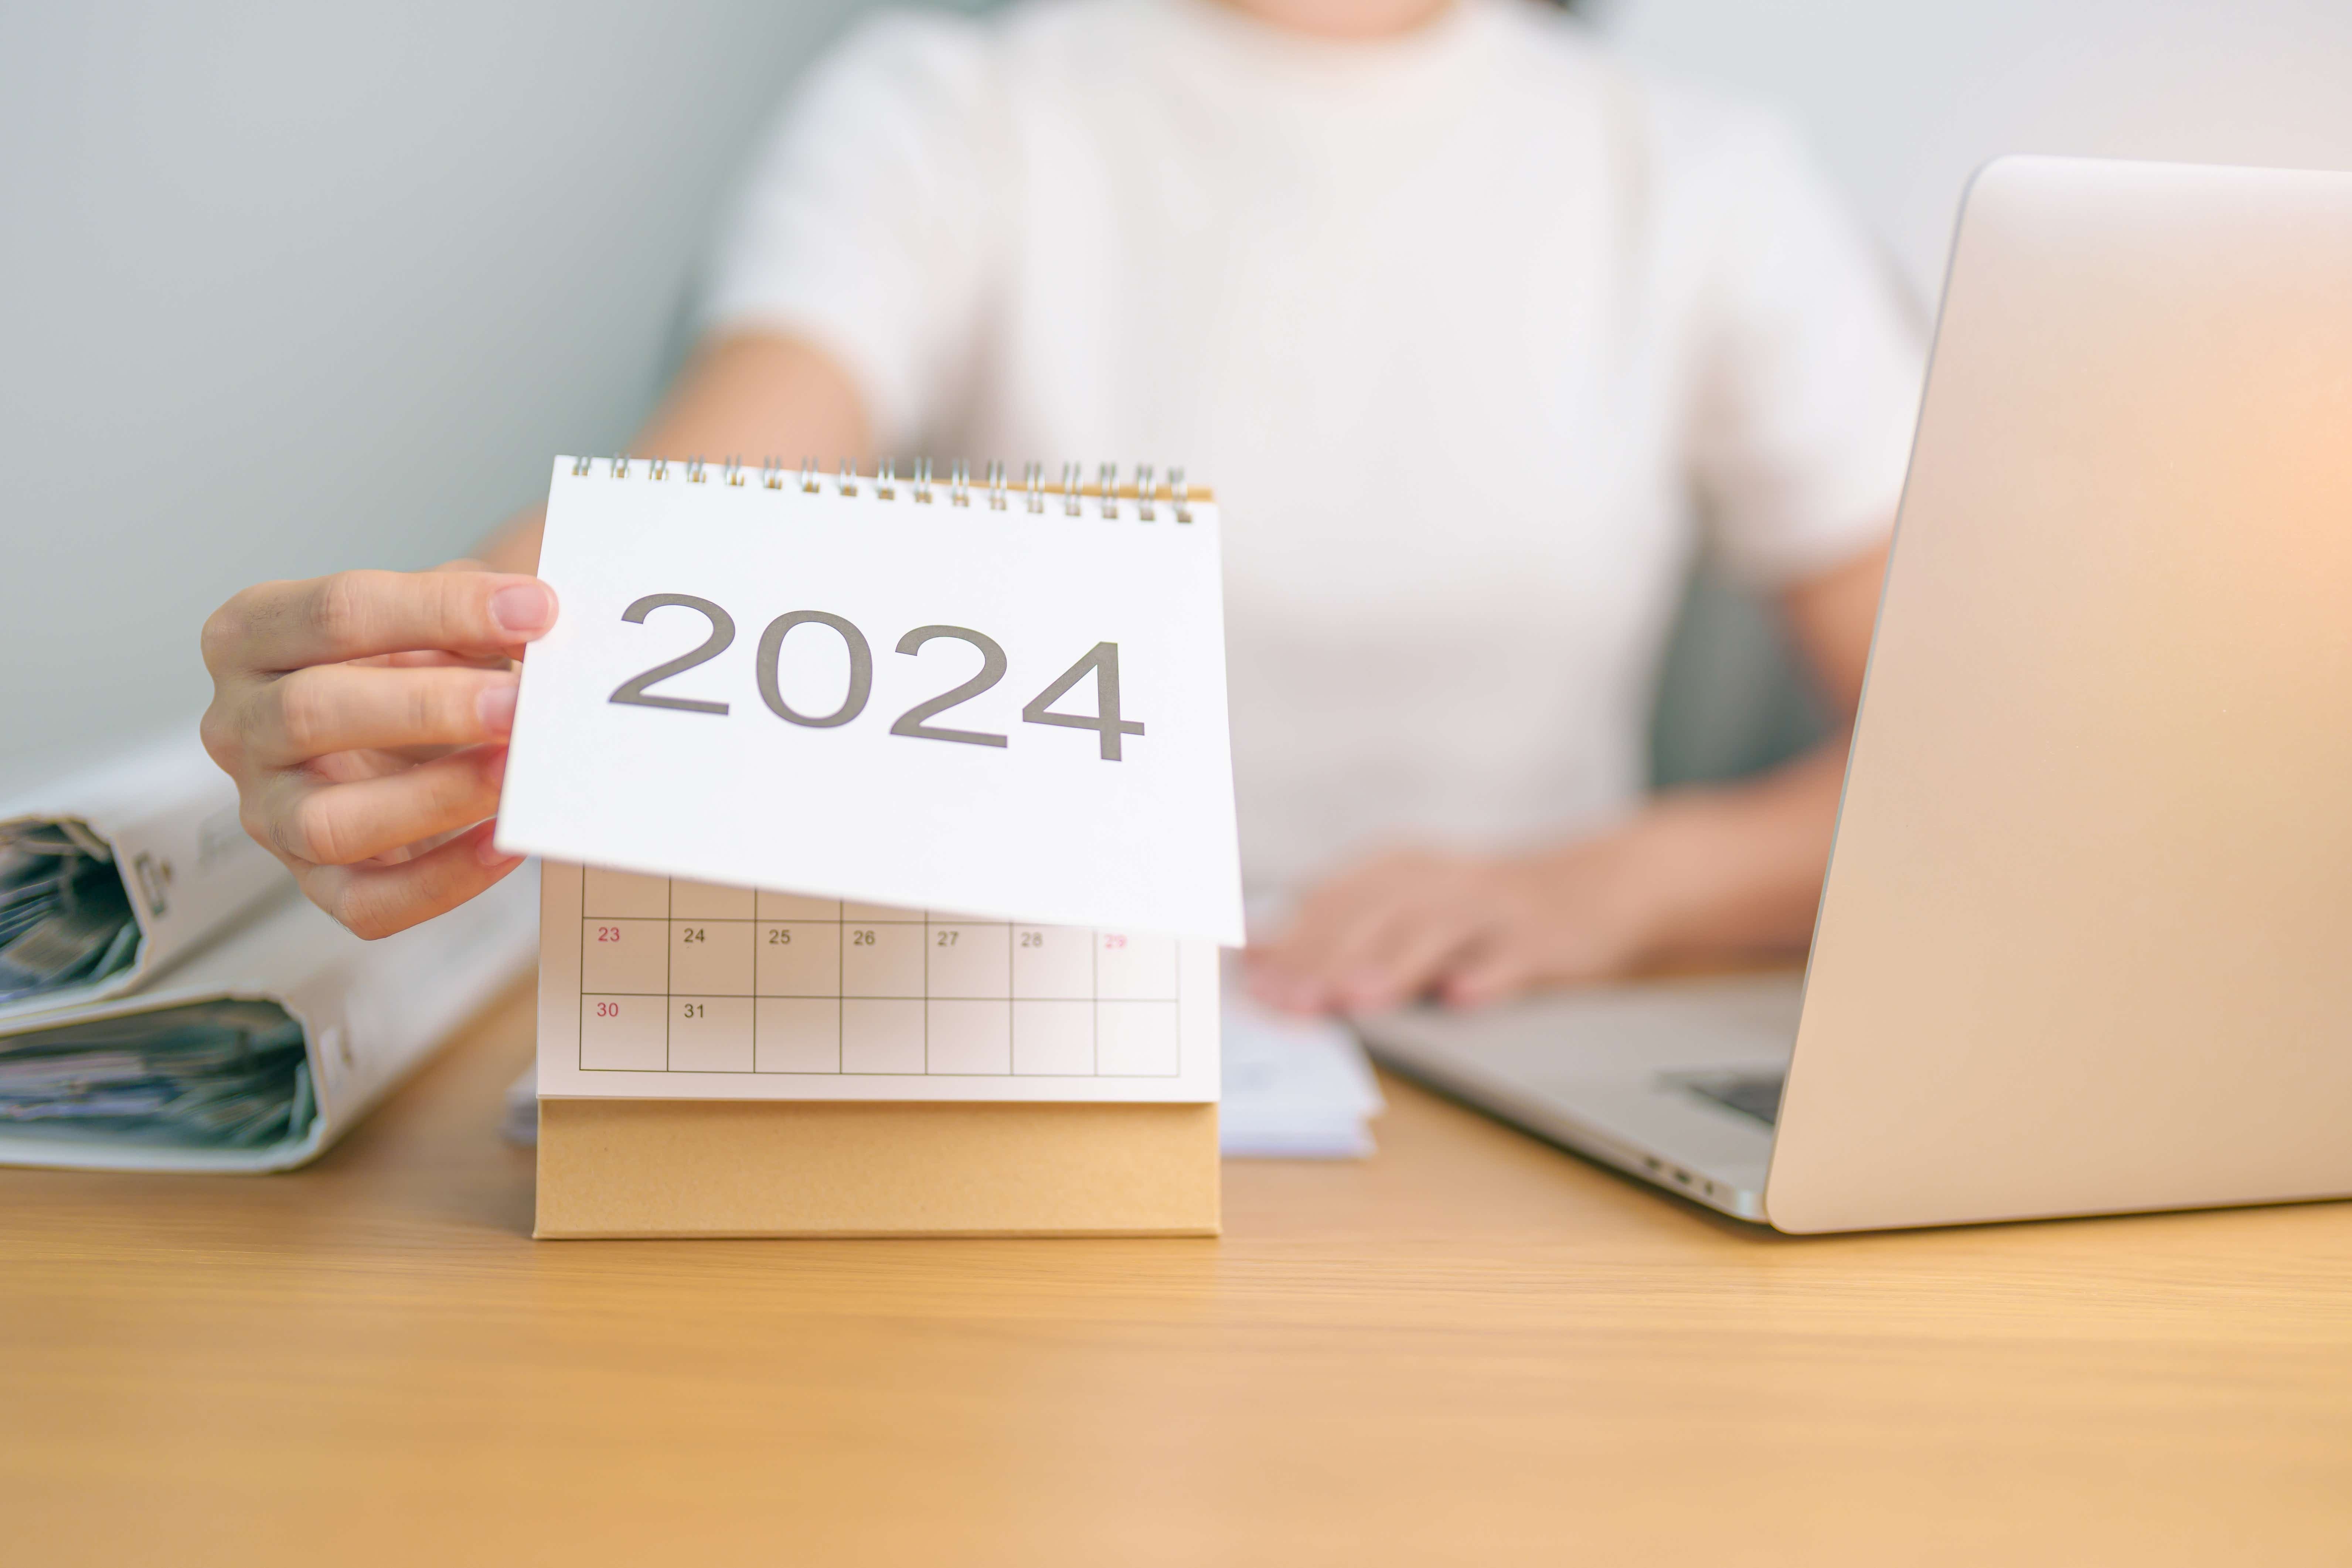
364, 719
1726, 874
1463, 929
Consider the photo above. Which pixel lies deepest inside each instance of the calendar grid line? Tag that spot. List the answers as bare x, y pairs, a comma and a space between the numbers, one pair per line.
867, 997
793, 1072
580, 1048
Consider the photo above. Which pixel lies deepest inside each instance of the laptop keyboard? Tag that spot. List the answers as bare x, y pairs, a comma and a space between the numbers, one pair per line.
1751, 1094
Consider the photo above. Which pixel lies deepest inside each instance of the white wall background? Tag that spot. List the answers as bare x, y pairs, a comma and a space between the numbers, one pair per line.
1903, 99
285, 287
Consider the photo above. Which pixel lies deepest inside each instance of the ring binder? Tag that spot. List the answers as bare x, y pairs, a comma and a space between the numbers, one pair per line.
1106, 488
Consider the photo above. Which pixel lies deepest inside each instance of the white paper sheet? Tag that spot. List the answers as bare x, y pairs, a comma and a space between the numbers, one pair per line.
655, 989
1127, 827
1295, 1089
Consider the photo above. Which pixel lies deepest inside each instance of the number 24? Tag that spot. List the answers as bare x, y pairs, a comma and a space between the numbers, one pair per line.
1101, 661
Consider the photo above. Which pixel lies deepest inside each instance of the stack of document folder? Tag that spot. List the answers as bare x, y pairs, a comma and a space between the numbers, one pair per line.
110, 875
168, 1001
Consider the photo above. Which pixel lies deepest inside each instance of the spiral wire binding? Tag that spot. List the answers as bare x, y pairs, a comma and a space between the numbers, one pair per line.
921, 484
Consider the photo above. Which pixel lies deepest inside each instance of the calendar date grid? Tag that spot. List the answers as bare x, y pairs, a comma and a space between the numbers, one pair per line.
688, 977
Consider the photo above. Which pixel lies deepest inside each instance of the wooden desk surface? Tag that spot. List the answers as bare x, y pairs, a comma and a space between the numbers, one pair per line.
1472, 1349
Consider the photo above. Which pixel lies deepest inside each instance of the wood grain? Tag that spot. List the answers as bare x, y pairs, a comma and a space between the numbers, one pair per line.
1472, 1349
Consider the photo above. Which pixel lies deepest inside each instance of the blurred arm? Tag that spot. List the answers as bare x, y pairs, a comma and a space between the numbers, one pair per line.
746, 394
1742, 863
1695, 876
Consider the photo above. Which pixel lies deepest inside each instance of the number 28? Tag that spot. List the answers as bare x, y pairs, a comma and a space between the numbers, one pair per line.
1101, 661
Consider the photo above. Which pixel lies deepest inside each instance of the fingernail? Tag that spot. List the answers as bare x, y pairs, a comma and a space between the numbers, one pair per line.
523, 610
496, 705
486, 848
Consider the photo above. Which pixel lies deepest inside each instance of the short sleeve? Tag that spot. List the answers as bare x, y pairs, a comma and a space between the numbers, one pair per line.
1810, 362
865, 224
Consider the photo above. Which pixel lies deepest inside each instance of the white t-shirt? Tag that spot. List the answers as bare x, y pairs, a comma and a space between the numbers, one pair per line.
1467, 328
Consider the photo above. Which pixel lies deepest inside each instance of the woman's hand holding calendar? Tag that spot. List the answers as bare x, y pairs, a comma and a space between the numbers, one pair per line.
363, 717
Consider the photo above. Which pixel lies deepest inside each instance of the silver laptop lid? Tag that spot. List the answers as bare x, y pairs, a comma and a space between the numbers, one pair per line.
2087, 940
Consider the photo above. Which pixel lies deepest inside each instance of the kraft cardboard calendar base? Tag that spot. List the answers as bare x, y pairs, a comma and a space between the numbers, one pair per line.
612, 1168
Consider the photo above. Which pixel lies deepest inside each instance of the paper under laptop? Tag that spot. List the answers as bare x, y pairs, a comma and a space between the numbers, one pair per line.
1295, 1089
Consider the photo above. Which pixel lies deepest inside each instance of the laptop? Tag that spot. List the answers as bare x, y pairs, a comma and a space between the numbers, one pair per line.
2085, 942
